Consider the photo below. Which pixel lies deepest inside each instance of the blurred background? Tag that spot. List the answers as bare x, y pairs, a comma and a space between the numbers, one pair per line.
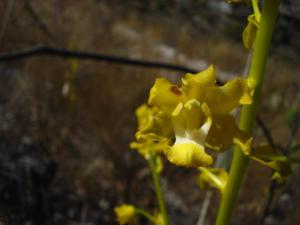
65, 124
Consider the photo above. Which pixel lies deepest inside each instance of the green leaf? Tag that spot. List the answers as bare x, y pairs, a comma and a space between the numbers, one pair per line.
291, 116
295, 147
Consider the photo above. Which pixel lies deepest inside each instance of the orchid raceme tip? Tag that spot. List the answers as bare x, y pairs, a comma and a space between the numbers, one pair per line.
125, 214
249, 32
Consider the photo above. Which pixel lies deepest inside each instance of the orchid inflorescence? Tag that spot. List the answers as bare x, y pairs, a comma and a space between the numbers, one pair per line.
190, 123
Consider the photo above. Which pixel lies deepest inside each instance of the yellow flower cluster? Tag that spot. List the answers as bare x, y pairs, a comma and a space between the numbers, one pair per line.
184, 121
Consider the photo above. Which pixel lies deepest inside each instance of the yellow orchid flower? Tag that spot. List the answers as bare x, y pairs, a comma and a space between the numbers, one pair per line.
154, 130
199, 112
125, 214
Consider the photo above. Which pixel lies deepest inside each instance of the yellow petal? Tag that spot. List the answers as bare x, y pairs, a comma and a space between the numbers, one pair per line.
222, 100
188, 154
165, 95
149, 143
205, 77
224, 132
238, 90
125, 214
194, 85
152, 120
143, 114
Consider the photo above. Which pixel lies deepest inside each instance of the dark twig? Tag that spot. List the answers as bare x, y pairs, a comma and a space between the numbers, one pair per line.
293, 131
65, 53
270, 197
266, 131
273, 185
6, 18
36, 18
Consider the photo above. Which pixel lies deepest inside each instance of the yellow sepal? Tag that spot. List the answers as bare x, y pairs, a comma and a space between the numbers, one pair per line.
224, 132
151, 120
222, 100
165, 95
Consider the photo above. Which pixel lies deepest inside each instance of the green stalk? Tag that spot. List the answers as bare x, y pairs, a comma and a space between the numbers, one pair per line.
158, 190
247, 119
256, 10
145, 214
213, 177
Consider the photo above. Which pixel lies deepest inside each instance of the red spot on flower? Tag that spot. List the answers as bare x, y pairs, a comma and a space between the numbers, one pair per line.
175, 90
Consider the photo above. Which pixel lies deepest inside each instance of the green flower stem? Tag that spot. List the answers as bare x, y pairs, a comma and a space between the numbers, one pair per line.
257, 13
213, 177
145, 214
158, 190
247, 120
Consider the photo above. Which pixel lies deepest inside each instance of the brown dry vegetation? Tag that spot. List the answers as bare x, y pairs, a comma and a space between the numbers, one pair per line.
67, 161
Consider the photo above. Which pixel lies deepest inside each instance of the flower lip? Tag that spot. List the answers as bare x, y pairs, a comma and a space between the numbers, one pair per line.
188, 154
188, 149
